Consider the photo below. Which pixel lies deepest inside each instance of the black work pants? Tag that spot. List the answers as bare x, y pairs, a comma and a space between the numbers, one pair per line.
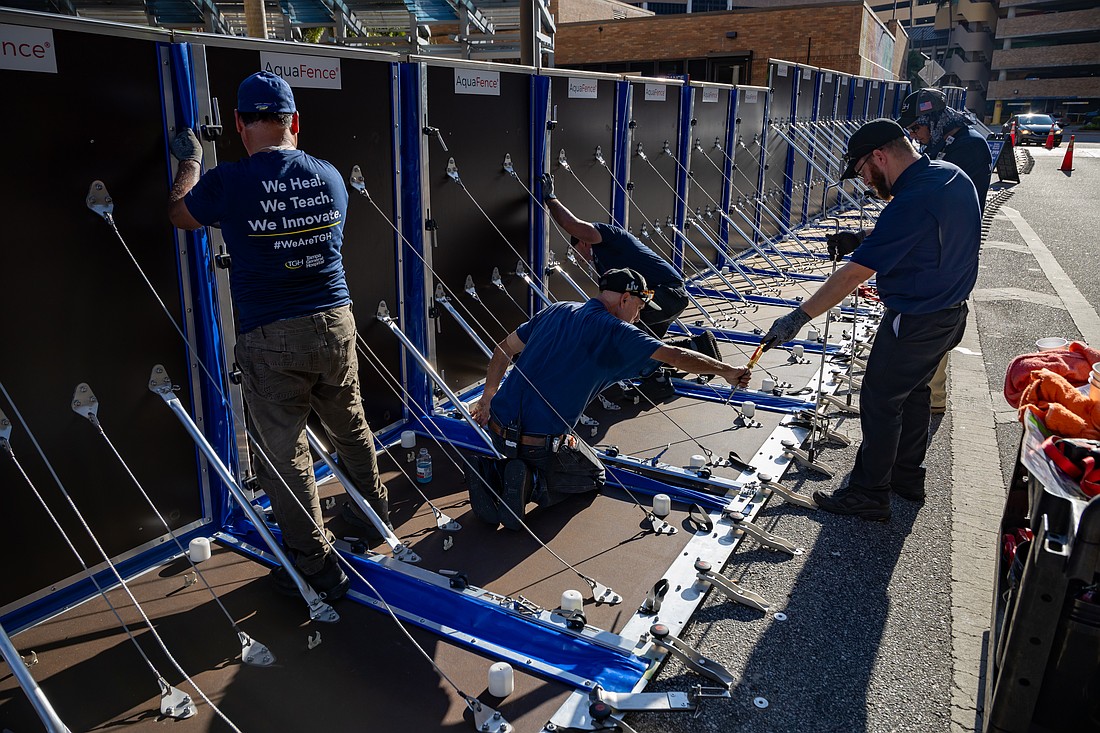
894, 399
570, 470
673, 300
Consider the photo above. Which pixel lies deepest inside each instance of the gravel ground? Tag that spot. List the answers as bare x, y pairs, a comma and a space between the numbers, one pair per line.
866, 645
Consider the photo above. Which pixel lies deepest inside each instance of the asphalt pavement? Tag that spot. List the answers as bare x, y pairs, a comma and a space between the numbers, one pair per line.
886, 624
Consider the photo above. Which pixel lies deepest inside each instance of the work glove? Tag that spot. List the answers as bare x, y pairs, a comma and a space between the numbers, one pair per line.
548, 187
843, 244
785, 328
185, 146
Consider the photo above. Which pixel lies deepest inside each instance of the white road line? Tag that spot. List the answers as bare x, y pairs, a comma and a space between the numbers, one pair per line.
1083, 314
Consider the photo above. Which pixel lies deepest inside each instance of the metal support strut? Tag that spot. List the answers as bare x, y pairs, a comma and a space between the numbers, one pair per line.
161, 384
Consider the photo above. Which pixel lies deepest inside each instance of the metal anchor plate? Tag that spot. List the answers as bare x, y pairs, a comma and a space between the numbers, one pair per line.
487, 720
356, 181
658, 525
100, 201
175, 703
321, 611
444, 522
254, 652
85, 403
405, 554
601, 593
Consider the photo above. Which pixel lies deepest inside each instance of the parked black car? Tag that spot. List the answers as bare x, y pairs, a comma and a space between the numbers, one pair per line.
1032, 128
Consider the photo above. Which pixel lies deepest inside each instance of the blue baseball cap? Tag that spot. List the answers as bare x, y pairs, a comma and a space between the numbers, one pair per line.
265, 92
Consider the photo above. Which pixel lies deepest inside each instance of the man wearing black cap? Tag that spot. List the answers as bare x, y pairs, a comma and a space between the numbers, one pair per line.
946, 134
281, 214
567, 353
610, 247
924, 251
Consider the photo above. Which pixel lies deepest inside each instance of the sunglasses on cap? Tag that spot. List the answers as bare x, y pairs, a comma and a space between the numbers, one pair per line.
644, 295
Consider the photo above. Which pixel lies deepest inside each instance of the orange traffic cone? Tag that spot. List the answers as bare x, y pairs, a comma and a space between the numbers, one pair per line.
1067, 162
1012, 135
1050, 138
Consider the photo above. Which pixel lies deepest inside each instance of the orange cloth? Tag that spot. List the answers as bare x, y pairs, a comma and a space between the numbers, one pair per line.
1064, 410
1074, 362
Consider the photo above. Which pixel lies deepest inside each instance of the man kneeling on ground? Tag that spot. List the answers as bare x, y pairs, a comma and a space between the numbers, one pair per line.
567, 354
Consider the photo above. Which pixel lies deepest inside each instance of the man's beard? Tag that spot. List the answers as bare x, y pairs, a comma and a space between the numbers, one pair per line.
878, 182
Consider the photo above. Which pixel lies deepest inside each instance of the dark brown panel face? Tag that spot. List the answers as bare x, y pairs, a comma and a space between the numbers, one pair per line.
479, 131
862, 91
584, 123
804, 108
776, 178
707, 180
746, 160
652, 203
338, 126
79, 311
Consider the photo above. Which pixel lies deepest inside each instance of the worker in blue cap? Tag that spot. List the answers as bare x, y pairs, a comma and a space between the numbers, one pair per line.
281, 213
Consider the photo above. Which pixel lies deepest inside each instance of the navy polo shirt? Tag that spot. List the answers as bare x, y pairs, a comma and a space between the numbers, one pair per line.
282, 218
572, 351
619, 248
924, 247
969, 150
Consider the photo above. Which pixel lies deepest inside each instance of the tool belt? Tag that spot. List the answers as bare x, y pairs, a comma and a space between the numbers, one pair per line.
530, 439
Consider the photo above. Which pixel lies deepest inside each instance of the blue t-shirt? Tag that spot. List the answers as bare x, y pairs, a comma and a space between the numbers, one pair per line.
571, 352
282, 218
619, 248
925, 244
969, 150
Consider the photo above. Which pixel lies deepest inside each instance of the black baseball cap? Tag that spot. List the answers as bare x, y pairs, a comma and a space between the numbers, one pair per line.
626, 280
872, 136
921, 102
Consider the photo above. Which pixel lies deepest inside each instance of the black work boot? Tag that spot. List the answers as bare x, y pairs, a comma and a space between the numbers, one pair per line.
482, 482
350, 514
516, 490
910, 493
330, 580
873, 506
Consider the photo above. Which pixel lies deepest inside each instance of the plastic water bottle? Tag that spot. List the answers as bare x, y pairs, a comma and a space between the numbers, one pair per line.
423, 466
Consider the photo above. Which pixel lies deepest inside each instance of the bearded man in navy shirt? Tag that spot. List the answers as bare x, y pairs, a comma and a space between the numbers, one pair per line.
924, 249
282, 214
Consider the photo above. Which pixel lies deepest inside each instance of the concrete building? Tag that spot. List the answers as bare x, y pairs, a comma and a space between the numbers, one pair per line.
732, 46
1049, 60
958, 35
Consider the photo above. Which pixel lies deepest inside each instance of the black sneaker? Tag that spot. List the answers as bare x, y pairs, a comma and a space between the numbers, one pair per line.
516, 480
330, 580
915, 493
482, 475
873, 506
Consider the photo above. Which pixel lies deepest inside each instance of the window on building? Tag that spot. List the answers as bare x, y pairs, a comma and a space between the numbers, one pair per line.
667, 8
705, 6
670, 68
